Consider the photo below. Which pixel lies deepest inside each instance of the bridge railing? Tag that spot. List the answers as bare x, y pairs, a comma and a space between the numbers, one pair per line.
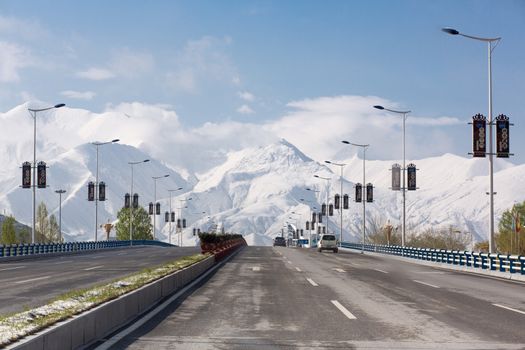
484, 261
50, 248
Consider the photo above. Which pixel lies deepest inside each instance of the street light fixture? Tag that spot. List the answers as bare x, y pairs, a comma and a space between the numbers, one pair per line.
363, 196
131, 164
180, 216
97, 145
169, 225
490, 48
60, 192
341, 166
155, 178
33, 112
404, 113
310, 226
327, 196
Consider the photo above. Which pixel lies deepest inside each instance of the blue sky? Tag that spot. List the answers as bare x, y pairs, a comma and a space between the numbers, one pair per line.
254, 62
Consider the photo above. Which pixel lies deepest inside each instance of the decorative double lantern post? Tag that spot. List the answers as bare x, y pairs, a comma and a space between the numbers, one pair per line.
27, 167
479, 149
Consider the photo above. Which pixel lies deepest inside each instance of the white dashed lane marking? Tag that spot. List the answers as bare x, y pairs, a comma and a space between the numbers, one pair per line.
32, 279
426, 284
312, 282
298, 269
343, 310
379, 270
94, 267
12, 268
509, 308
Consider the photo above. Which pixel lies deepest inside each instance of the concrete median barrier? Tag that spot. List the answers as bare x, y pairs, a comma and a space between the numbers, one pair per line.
93, 325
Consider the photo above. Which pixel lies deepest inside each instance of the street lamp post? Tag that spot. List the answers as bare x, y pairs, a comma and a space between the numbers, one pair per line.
404, 114
155, 178
131, 164
490, 48
311, 223
97, 145
169, 222
327, 197
180, 216
315, 191
340, 165
60, 192
363, 196
33, 112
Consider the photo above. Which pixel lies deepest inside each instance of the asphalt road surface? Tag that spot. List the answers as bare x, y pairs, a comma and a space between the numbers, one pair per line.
33, 282
287, 298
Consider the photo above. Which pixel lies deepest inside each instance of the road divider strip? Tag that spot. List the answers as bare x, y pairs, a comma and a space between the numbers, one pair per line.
80, 317
509, 308
110, 343
312, 282
426, 284
344, 310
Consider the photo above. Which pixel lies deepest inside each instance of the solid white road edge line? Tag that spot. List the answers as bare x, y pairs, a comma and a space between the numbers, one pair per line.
94, 267
426, 284
32, 279
110, 343
509, 308
378, 270
343, 310
312, 282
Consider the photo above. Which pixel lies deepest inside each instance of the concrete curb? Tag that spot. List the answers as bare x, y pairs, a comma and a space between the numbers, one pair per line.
104, 319
457, 268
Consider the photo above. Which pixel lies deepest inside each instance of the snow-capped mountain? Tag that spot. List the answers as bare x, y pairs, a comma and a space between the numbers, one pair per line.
255, 191
73, 170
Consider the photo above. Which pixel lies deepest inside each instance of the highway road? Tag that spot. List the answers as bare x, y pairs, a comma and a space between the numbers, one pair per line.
289, 298
33, 282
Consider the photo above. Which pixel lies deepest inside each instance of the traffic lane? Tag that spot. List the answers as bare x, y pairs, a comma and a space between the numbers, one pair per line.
36, 282
493, 289
403, 293
255, 301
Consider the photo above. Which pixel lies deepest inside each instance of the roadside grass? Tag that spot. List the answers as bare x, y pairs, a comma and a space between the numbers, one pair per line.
15, 326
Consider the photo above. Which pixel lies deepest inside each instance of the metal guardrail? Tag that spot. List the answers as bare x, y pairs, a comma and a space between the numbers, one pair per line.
485, 261
50, 248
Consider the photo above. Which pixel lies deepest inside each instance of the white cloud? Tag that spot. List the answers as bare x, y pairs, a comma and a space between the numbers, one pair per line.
315, 126
245, 109
123, 63
81, 95
202, 61
95, 73
129, 64
25, 29
246, 96
13, 58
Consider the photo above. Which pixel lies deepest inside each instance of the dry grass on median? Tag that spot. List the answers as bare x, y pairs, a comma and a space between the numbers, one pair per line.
15, 326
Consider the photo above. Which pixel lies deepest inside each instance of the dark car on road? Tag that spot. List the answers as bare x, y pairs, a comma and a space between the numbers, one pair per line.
279, 241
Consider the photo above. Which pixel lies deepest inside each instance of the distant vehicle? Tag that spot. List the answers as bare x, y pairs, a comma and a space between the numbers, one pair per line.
327, 242
279, 241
